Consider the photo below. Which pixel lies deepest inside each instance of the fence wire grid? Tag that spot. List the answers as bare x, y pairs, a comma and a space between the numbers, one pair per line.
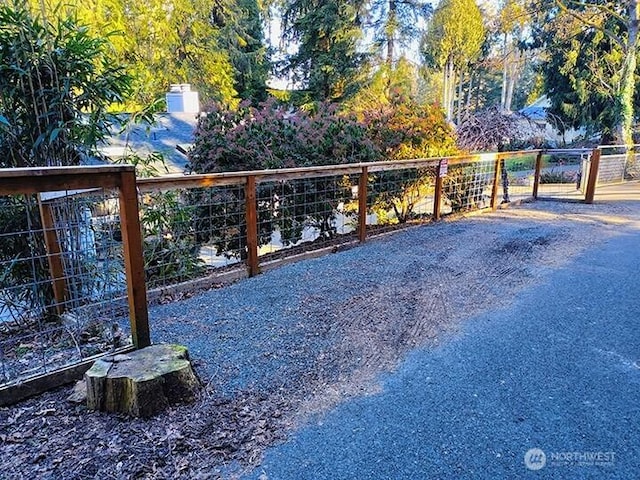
63, 286
305, 213
468, 186
399, 197
619, 165
564, 175
62, 281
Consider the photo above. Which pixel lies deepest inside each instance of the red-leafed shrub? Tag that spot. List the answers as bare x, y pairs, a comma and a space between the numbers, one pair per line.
273, 136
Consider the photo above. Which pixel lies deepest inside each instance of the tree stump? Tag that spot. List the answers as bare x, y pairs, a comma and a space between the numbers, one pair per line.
143, 382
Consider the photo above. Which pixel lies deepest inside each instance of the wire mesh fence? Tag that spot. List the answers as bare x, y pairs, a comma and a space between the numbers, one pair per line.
195, 228
399, 197
619, 164
62, 281
67, 258
517, 177
468, 185
564, 174
192, 232
299, 214
189, 232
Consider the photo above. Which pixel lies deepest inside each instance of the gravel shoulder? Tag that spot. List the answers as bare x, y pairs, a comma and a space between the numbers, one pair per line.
280, 350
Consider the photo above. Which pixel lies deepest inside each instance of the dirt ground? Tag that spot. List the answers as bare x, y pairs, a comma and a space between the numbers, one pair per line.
407, 298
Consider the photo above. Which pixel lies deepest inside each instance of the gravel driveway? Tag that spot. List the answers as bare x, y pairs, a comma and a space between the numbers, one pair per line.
544, 386
279, 351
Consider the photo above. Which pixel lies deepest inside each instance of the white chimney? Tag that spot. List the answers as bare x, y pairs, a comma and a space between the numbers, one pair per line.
180, 99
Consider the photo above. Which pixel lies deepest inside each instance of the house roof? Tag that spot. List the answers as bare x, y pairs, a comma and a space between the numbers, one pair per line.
537, 111
171, 135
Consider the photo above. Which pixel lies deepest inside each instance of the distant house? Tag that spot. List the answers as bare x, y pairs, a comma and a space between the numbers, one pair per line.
537, 112
171, 134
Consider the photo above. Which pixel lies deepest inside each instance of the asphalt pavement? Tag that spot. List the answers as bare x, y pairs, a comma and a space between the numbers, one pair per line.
548, 387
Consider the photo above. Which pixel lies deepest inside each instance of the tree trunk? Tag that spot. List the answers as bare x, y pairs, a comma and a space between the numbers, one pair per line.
452, 93
627, 91
505, 60
141, 383
468, 103
511, 79
460, 99
451, 89
479, 90
392, 22
445, 89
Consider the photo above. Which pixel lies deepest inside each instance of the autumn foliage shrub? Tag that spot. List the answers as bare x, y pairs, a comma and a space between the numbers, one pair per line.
404, 131
410, 130
270, 136
275, 135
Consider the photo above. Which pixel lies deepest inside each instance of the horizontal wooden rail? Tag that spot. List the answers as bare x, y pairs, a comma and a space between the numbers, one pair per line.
16, 181
605, 147
567, 151
170, 182
28, 172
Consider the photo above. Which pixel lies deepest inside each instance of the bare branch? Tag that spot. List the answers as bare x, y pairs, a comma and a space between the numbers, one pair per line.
487, 129
615, 38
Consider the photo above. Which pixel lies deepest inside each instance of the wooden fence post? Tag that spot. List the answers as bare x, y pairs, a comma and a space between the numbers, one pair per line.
251, 218
536, 175
496, 182
54, 255
134, 260
362, 204
593, 175
437, 194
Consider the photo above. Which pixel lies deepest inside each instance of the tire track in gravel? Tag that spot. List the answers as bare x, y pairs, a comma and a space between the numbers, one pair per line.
475, 266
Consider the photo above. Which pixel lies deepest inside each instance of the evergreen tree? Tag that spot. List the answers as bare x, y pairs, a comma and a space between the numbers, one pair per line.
397, 22
454, 38
216, 45
57, 85
248, 52
590, 73
327, 61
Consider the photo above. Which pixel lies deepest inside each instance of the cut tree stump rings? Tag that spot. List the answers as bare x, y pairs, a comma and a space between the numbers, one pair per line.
143, 382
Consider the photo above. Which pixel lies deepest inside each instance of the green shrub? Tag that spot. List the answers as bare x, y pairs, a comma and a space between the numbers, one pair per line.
275, 135
56, 86
171, 253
